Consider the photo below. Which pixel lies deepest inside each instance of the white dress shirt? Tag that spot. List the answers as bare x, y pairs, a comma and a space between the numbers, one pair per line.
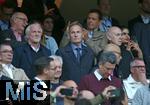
8, 68
131, 86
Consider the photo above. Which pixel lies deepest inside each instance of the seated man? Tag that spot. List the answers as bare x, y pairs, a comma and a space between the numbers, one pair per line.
136, 79
7, 69
102, 77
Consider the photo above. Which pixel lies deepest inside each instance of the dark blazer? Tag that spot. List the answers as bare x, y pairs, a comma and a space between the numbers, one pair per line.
132, 22
142, 33
9, 35
72, 70
115, 22
23, 59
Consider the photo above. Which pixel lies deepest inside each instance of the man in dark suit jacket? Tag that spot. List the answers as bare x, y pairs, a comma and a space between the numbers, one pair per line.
140, 31
27, 53
143, 17
78, 58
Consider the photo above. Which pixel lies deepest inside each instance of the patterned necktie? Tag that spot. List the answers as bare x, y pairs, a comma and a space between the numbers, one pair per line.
78, 54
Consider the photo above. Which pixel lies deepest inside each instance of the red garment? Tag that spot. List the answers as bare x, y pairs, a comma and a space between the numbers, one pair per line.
2, 1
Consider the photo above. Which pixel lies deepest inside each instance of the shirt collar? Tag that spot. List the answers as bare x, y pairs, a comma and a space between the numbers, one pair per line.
35, 49
74, 46
7, 66
146, 19
41, 82
131, 79
99, 76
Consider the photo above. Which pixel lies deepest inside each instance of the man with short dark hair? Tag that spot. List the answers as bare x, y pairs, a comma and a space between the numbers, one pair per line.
102, 77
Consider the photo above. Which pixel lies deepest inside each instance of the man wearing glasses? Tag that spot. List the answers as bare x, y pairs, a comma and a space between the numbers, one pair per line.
136, 79
18, 22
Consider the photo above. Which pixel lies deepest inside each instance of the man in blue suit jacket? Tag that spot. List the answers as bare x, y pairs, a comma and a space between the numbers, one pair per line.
78, 59
27, 53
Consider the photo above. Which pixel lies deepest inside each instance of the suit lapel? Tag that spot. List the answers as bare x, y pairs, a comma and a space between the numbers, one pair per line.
70, 53
84, 51
4, 72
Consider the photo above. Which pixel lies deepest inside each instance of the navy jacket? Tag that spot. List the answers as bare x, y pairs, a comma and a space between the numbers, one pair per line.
23, 58
72, 70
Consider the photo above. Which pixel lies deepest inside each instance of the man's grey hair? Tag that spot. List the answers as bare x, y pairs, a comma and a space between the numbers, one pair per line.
56, 57
133, 62
28, 28
107, 57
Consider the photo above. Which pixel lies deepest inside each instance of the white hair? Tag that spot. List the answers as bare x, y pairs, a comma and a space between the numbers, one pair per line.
56, 57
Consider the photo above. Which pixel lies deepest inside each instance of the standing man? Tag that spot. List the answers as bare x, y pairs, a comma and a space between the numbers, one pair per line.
107, 21
27, 53
140, 31
78, 59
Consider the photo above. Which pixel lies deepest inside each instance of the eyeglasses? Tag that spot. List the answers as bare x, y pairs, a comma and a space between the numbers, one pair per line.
7, 51
138, 67
23, 19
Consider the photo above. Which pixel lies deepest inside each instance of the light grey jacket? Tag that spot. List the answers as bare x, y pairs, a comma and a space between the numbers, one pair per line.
142, 96
18, 73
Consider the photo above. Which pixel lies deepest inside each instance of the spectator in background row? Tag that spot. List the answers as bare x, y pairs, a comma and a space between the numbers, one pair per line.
27, 53
15, 34
6, 10
36, 9
47, 39
92, 36
143, 17
107, 21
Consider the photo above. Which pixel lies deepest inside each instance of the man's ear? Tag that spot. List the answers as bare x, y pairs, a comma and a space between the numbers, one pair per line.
108, 37
45, 71
68, 37
100, 66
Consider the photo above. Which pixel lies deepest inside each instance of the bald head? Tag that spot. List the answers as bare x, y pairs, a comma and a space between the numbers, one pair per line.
70, 83
114, 35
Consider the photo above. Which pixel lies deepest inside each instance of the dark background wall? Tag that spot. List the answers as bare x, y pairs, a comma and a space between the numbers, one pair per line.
123, 10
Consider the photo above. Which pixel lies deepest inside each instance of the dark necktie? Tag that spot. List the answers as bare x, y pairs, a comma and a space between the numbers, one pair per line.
78, 54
